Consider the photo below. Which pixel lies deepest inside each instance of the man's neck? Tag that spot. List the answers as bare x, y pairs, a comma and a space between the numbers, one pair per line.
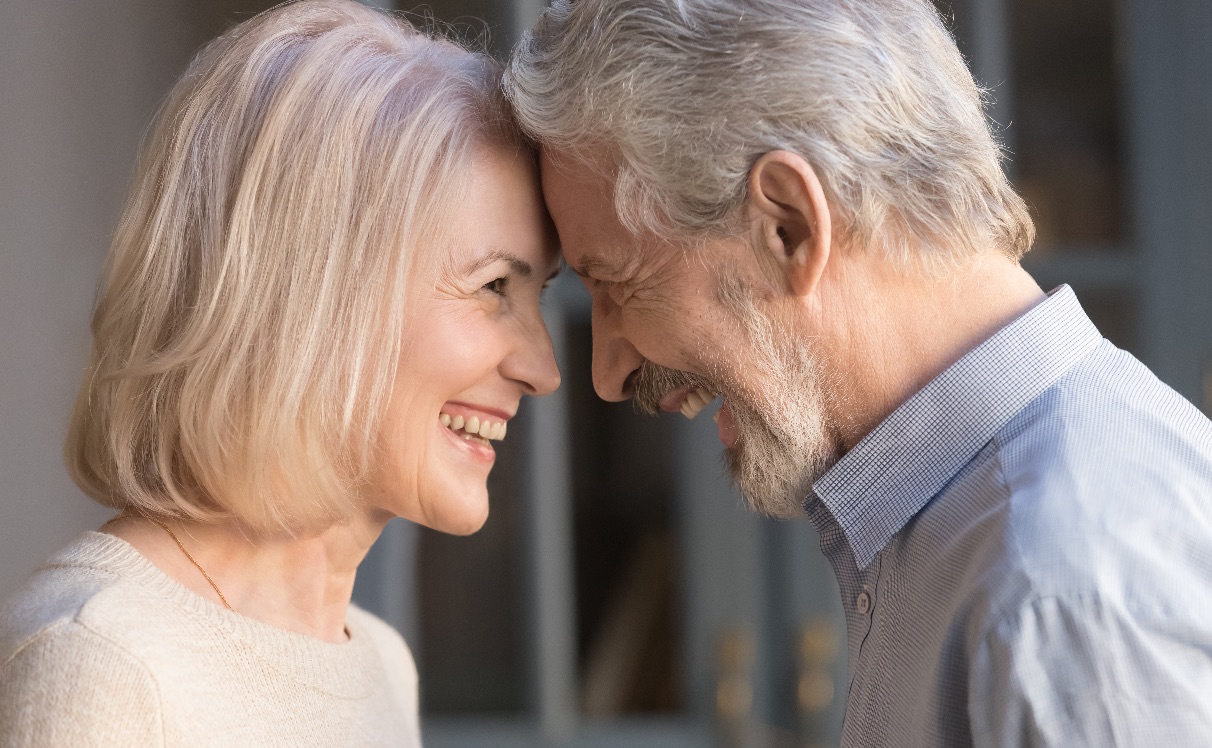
900, 328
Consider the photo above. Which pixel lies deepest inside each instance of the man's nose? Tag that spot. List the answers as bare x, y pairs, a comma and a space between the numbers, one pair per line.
615, 359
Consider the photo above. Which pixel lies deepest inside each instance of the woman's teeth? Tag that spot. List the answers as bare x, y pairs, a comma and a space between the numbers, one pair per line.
696, 401
472, 427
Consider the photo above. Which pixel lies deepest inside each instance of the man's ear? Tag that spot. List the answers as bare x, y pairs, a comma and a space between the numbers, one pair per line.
791, 218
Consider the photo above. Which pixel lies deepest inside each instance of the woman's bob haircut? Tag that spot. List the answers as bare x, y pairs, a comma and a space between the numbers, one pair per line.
250, 316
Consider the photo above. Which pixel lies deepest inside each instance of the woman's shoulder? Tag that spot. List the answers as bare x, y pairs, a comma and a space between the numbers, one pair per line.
58, 590
398, 663
390, 645
67, 685
99, 583
52, 662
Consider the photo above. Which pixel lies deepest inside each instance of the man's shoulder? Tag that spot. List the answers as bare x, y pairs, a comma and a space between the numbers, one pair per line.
1107, 434
1107, 407
1108, 477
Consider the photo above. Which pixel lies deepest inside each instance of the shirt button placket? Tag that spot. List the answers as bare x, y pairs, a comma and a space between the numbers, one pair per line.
862, 603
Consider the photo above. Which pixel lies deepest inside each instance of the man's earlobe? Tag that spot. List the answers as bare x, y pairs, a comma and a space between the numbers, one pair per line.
789, 203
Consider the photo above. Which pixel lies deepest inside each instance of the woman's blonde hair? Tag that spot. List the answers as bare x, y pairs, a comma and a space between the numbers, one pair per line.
249, 318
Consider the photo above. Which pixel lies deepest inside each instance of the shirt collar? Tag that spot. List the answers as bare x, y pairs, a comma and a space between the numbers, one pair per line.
889, 476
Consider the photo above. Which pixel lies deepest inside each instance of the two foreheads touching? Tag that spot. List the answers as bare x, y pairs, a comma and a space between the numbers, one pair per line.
803, 127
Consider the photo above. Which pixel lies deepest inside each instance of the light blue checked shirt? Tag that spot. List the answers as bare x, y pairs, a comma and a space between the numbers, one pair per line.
1024, 550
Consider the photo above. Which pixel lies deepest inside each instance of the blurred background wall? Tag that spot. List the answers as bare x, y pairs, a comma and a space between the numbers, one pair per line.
78, 82
619, 594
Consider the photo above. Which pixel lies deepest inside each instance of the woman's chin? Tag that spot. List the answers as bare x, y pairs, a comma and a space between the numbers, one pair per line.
468, 526
460, 516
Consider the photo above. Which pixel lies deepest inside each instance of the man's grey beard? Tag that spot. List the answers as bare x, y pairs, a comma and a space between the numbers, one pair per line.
777, 403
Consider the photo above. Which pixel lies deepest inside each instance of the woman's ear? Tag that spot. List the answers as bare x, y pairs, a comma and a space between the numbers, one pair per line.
791, 217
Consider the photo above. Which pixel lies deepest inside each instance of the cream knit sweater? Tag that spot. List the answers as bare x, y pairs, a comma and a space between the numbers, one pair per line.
101, 648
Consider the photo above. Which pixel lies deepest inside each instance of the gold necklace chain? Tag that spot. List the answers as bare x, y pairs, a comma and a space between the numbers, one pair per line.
194, 561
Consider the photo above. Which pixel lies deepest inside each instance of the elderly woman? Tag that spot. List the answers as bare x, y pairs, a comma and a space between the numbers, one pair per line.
320, 309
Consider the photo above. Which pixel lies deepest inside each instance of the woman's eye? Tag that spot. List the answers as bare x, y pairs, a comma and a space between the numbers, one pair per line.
497, 286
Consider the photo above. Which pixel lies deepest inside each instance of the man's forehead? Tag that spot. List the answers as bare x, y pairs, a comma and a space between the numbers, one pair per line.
573, 184
583, 164
581, 203
580, 198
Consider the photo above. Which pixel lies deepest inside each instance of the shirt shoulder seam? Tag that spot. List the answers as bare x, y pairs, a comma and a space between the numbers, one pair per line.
64, 626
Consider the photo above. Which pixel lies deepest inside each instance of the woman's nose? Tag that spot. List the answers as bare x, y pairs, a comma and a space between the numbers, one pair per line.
533, 362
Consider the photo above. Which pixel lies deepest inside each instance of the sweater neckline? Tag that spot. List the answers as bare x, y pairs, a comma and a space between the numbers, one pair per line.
339, 668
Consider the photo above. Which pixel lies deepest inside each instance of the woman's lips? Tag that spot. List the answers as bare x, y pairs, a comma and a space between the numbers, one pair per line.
476, 447
471, 427
457, 408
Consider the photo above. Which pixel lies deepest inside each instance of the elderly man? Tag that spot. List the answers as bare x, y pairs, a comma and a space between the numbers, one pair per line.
798, 206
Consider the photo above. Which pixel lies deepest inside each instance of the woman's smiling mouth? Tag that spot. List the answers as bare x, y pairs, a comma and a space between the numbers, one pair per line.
473, 427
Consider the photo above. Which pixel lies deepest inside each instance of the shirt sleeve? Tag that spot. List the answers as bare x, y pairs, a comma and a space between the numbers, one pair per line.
70, 686
1085, 672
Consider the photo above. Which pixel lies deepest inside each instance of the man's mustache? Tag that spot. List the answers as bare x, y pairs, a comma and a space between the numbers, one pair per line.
651, 382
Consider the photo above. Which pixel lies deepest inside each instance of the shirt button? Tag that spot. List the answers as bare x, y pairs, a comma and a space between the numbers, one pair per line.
863, 603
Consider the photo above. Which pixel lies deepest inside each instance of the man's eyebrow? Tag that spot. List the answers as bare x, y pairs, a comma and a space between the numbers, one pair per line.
592, 265
517, 264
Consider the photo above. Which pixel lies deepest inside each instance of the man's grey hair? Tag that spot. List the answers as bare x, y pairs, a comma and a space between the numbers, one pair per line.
684, 96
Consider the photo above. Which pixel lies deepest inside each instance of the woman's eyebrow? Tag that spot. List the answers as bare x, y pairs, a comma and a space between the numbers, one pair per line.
517, 264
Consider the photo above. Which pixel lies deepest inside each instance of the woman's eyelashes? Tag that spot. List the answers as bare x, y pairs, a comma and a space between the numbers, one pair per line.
508, 285
504, 286
497, 286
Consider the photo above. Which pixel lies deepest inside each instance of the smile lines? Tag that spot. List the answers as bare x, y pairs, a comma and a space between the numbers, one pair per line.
474, 427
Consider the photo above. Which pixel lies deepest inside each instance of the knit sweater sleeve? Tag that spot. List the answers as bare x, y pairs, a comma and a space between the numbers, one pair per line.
68, 685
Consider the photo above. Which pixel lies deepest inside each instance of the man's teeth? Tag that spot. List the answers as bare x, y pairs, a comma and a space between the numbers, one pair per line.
473, 426
696, 401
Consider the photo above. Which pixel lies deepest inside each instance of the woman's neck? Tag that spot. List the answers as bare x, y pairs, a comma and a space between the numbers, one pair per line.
300, 584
